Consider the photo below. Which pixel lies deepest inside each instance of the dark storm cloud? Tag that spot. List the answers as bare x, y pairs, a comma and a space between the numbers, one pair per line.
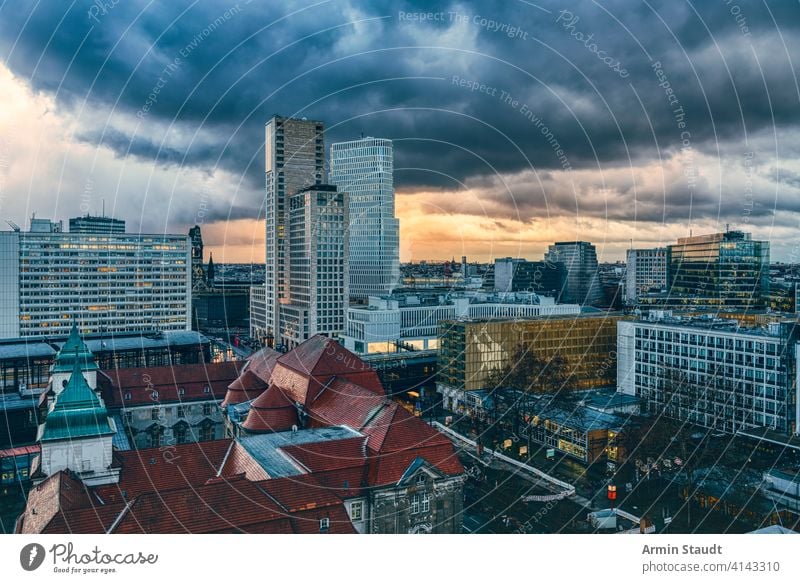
201, 79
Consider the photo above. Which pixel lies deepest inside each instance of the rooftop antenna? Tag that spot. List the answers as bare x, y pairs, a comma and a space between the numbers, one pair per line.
104, 208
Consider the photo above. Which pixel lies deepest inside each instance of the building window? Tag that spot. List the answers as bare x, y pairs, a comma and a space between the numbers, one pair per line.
356, 511
421, 480
127, 396
181, 412
426, 503
415, 504
155, 413
324, 524
207, 409
181, 391
207, 389
207, 432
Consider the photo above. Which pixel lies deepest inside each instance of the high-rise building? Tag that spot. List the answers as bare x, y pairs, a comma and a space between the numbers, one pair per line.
645, 272
317, 298
294, 159
364, 169
520, 275
711, 372
107, 283
580, 260
96, 225
720, 270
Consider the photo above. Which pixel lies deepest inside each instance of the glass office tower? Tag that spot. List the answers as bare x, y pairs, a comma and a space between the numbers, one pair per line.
720, 270
363, 169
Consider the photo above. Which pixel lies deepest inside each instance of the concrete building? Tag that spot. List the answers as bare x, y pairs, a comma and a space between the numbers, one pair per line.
96, 225
364, 170
711, 372
294, 159
645, 272
107, 283
317, 295
411, 321
580, 260
520, 275
470, 350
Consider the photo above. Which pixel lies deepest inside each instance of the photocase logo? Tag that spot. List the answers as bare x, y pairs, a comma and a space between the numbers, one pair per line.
31, 556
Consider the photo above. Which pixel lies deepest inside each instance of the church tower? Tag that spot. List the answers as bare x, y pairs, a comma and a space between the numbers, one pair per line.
77, 432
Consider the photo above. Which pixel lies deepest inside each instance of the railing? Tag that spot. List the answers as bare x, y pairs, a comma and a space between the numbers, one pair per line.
569, 488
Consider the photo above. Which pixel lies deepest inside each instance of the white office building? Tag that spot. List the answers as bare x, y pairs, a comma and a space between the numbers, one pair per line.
294, 159
106, 283
317, 293
645, 272
411, 321
711, 372
364, 169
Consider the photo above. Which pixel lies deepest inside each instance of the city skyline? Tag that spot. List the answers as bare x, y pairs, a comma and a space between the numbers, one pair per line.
495, 155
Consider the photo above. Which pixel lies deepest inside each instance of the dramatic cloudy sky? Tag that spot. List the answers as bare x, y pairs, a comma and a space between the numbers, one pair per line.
515, 123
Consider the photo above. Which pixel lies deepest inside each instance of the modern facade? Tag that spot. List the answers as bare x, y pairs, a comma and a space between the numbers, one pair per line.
317, 296
107, 283
364, 169
645, 272
411, 321
469, 351
720, 270
711, 372
520, 275
294, 159
580, 259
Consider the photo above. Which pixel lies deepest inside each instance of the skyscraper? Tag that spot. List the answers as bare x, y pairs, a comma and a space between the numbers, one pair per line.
294, 159
721, 270
317, 298
580, 259
364, 169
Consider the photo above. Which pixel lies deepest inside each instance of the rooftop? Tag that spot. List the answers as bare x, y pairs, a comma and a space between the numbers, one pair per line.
264, 448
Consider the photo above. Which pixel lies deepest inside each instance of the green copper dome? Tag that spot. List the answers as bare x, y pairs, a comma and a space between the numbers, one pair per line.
78, 411
74, 349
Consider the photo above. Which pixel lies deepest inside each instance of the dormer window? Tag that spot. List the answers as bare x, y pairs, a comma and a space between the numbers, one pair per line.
181, 391
324, 524
127, 396
421, 479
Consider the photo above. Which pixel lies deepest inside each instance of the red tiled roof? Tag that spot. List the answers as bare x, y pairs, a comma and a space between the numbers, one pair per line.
241, 462
146, 470
326, 456
21, 450
262, 363
345, 403
299, 493
302, 373
271, 412
140, 383
245, 388
235, 505
388, 468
